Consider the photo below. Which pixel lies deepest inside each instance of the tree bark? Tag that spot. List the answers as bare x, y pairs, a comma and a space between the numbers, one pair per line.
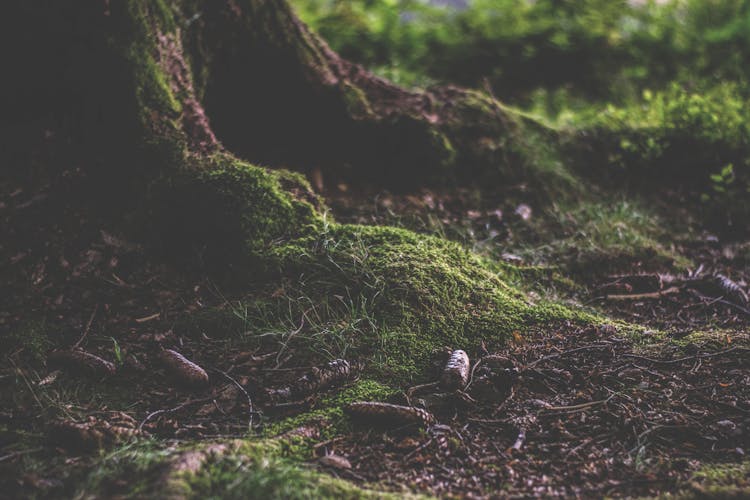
155, 101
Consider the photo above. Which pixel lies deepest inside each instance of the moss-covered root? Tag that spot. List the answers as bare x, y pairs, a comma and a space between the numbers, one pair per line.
229, 469
268, 87
230, 209
263, 76
386, 296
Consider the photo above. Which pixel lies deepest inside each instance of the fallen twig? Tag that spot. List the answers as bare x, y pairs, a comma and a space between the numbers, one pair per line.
565, 353
87, 329
285, 344
720, 300
20, 453
736, 306
648, 295
411, 391
147, 318
473, 370
577, 407
251, 411
418, 449
172, 410
81, 362
686, 358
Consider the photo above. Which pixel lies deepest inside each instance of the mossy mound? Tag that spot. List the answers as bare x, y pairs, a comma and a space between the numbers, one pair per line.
228, 469
385, 295
395, 297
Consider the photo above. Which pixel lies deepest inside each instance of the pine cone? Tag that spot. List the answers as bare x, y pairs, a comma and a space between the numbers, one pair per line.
390, 414
456, 372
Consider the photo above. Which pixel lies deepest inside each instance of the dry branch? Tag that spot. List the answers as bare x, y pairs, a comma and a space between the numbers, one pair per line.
650, 295
633, 283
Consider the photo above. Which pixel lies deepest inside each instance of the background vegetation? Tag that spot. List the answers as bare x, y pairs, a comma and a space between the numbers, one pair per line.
664, 80
601, 217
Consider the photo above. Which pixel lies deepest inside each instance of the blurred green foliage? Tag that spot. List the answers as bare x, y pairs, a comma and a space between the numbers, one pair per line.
599, 49
679, 137
661, 86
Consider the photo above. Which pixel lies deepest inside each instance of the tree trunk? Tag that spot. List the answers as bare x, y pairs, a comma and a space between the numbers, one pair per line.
124, 91
154, 115
146, 103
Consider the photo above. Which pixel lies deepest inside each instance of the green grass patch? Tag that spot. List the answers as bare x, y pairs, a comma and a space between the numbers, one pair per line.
594, 238
731, 480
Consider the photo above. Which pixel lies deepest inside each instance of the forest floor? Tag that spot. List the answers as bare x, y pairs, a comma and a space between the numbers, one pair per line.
566, 411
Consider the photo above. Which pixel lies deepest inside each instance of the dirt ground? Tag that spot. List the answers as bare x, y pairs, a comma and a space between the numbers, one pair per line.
565, 411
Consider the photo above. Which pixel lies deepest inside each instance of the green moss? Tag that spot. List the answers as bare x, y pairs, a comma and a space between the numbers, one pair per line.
151, 87
236, 477
296, 182
331, 407
594, 238
133, 467
161, 11
136, 94
387, 296
234, 469
32, 336
256, 470
502, 144
153, 90
264, 212
713, 339
425, 292
675, 137
719, 481
235, 209
446, 151
356, 101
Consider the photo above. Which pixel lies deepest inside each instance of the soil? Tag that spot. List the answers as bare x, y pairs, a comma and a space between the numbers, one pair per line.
562, 412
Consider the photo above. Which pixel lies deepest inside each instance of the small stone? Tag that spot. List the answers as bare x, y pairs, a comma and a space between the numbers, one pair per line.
511, 258
523, 211
729, 428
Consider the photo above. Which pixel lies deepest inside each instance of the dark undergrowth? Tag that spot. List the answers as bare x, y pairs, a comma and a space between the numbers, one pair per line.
598, 281
336, 301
